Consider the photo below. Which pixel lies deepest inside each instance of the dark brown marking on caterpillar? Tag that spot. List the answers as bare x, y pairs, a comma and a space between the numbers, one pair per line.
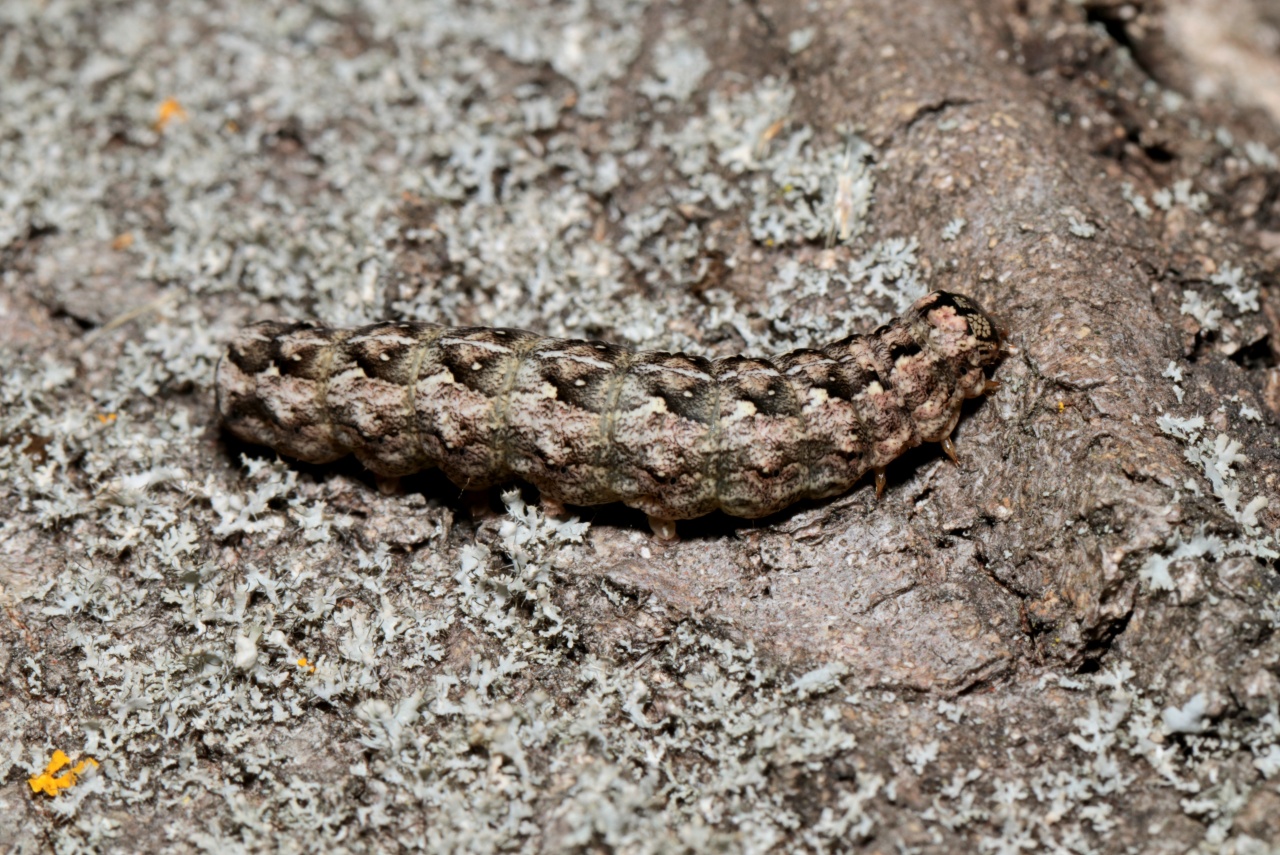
587, 422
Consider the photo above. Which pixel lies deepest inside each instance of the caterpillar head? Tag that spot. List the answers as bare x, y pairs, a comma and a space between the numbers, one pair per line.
957, 327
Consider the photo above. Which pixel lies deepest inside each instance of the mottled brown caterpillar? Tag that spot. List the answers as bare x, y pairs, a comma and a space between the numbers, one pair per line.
588, 423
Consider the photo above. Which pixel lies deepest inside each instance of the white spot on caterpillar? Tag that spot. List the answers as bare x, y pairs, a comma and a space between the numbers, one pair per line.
443, 377
379, 338
647, 368
351, 373
657, 406
575, 357
482, 345
817, 398
796, 369
304, 342
742, 410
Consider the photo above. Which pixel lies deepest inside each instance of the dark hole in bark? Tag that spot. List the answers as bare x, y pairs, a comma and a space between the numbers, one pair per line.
1258, 356
1107, 18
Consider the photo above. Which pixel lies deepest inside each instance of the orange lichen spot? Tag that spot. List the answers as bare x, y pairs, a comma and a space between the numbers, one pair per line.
47, 783
169, 110
232, 126
772, 131
306, 666
123, 241
106, 418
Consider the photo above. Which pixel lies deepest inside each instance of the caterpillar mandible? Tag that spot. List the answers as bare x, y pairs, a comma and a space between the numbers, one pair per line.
588, 423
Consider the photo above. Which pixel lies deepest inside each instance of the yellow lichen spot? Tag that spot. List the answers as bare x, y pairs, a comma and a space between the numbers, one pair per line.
123, 241
47, 783
106, 418
232, 126
306, 666
169, 110
1062, 406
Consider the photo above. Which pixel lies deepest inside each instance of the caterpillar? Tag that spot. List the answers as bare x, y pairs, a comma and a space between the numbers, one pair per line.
587, 422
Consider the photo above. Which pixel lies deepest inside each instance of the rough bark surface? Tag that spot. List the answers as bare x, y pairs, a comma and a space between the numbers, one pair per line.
1067, 642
